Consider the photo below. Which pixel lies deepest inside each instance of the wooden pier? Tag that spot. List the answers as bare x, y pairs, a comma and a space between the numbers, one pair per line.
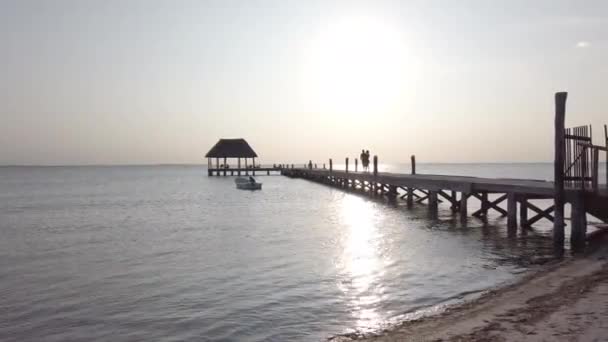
576, 182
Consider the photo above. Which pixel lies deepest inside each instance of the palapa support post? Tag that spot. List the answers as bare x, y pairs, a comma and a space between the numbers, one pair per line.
217, 166
558, 170
209, 167
224, 166
239, 165
579, 222
413, 161
511, 211
454, 206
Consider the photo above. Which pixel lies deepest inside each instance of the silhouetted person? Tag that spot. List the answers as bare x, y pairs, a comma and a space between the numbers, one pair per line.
310, 164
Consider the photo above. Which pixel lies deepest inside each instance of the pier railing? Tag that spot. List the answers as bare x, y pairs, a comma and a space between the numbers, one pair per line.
582, 161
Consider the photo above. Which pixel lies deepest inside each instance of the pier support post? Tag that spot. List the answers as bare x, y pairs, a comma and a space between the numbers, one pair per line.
392, 192
484, 205
433, 200
239, 167
464, 197
523, 211
346, 164
579, 223
454, 206
410, 196
511, 211
224, 166
558, 170
331, 166
356, 164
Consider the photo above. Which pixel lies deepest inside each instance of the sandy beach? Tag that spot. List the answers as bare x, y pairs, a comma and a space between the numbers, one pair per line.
561, 301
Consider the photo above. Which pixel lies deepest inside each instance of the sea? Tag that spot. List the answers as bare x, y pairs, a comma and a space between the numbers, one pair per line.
166, 253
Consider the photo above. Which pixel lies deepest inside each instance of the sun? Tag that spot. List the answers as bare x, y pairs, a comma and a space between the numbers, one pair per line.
356, 65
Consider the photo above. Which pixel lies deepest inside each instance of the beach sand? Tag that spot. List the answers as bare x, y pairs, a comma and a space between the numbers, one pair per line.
562, 301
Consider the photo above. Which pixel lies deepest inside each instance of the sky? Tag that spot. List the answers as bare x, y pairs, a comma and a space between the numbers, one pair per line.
156, 82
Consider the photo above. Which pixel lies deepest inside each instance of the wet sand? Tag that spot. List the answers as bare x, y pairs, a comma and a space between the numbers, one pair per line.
562, 301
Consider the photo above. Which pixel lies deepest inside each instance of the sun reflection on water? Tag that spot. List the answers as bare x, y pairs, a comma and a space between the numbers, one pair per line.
361, 263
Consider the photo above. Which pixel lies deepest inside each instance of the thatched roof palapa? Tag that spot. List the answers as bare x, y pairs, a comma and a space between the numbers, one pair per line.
231, 148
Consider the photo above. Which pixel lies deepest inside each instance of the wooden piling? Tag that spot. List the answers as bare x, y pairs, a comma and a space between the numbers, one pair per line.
596, 170
356, 165
331, 166
464, 197
410, 196
346, 164
239, 166
558, 169
579, 222
484, 204
433, 200
413, 161
375, 165
523, 211
224, 166
511, 211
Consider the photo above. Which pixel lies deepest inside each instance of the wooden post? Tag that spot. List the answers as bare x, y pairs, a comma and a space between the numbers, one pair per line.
392, 191
217, 166
323, 166
523, 211
454, 205
356, 164
433, 200
413, 161
224, 166
596, 169
558, 169
246, 168
410, 196
375, 166
209, 167
484, 204
239, 166
579, 222
511, 211
464, 197
331, 166
606, 137
346, 164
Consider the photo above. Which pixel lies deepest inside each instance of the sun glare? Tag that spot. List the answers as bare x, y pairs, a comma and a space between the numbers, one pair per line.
356, 65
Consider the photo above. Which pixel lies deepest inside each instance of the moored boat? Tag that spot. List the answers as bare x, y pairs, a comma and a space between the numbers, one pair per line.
249, 183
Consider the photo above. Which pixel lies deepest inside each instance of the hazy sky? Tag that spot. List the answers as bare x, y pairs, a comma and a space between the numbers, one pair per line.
129, 82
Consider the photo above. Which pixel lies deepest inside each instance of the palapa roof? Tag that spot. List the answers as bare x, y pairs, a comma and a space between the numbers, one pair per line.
231, 148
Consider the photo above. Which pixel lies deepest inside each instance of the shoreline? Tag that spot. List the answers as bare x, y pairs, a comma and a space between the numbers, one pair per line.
561, 300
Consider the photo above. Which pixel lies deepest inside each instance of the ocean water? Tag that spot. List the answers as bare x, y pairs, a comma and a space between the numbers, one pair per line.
165, 253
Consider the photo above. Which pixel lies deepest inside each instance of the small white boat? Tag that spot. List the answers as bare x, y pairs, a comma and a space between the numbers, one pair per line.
245, 183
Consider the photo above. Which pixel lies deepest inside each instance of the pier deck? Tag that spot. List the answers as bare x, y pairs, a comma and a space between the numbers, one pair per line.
457, 190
